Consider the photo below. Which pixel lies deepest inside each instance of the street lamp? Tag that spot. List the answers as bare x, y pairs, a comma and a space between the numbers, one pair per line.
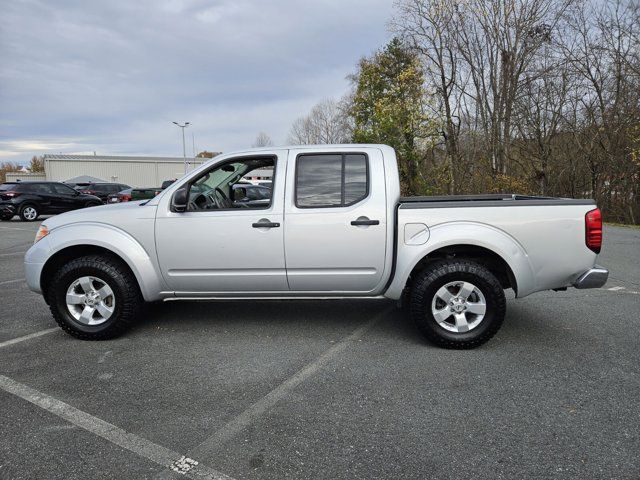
184, 150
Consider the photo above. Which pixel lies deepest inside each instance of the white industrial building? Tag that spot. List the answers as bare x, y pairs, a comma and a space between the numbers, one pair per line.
130, 170
134, 171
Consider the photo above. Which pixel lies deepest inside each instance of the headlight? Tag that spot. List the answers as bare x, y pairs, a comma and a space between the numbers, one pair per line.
42, 232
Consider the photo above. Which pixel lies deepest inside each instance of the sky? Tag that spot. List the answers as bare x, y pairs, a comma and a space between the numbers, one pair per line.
78, 76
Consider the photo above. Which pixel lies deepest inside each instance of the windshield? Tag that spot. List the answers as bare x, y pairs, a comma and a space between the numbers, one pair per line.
220, 177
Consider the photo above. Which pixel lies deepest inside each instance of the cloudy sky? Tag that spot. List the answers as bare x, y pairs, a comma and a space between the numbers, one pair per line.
79, 76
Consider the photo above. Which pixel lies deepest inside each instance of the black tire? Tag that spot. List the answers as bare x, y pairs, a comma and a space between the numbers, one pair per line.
109, 270
25, 211
5, 218
93, 204
444, 272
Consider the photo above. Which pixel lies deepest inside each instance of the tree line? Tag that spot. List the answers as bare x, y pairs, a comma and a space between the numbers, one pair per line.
511, 96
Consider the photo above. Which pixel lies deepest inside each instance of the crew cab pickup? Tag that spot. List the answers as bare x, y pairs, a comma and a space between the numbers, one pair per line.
334, 225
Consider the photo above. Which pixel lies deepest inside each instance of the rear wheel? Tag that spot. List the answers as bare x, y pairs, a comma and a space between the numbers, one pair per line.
29, 212
94, 297
457, 303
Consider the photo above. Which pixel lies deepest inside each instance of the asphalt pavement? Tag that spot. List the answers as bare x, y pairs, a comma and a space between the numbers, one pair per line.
323, 389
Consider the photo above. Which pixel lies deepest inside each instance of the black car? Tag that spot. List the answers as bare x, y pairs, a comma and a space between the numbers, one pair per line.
101, 190
31, 199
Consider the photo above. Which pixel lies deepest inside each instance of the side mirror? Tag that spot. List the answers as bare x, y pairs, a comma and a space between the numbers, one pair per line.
180, 200
239, 194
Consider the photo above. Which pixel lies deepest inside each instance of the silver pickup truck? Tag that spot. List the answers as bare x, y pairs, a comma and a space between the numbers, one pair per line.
333, 225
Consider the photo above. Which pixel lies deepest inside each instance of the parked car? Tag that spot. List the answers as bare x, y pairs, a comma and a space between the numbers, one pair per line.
167, 184
122, 196
131, 194
100, 190
348, 233
144, 193
251, 195
32, 199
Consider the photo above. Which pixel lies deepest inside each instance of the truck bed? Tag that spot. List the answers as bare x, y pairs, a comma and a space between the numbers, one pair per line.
487, 200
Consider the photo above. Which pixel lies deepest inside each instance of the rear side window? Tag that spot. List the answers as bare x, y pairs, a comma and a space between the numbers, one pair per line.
331, 180
61, 189
35, 188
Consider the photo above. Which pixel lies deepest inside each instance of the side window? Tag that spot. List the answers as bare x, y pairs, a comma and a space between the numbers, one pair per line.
61, 189
331, 180
225, 186
37, 188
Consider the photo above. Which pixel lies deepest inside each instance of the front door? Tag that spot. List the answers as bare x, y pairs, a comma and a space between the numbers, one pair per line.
64, 198
336, 221
221, 246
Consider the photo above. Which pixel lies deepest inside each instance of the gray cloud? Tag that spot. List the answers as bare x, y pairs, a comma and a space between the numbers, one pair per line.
78, 76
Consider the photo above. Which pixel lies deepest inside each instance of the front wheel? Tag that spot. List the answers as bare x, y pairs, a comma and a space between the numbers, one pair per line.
94, 297
457, 304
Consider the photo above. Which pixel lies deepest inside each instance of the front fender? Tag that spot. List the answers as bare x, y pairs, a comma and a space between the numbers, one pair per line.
464, 233
101, 235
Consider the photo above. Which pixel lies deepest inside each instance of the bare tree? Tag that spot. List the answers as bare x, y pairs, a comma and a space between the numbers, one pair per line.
262, 140
430, 28
326, 123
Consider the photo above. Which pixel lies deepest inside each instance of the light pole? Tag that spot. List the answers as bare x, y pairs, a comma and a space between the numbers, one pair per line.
184, 150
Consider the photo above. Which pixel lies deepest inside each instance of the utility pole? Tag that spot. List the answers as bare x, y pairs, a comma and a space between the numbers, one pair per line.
184, 149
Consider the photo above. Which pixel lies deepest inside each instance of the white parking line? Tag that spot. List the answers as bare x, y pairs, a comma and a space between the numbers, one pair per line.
138, 445
13, 253
621, 290
13, 341
18, 228
208, 447
7, 282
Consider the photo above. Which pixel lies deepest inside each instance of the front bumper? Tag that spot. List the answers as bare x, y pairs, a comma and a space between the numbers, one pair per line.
34, 261
7, 209
595, 277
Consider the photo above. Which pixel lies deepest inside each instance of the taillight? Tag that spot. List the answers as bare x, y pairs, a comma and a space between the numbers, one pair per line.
593, 229
125, 198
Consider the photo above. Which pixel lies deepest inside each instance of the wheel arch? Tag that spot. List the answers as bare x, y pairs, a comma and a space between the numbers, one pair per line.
487, 245
82, 239
497, 265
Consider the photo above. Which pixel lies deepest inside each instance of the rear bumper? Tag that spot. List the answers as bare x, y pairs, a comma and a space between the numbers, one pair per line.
595, 277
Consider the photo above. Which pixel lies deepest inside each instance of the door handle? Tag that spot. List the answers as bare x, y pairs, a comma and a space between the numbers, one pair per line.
364, 221
264, 223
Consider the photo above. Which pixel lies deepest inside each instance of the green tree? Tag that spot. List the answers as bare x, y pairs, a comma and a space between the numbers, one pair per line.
37, 164
389, 106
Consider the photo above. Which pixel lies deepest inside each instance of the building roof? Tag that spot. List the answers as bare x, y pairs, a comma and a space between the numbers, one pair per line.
85, 179
119, 158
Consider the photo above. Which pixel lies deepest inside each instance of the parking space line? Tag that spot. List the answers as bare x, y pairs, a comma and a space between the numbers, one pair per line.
18, 228
256, 410
7, 282
140, 446
12, 253
13, 341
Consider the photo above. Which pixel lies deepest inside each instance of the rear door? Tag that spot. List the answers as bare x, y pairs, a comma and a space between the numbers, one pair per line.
335, 220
